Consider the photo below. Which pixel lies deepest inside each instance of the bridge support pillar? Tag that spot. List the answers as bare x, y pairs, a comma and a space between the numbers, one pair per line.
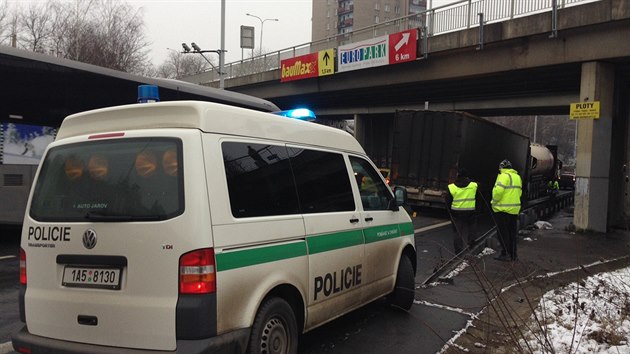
594, 138
359, 129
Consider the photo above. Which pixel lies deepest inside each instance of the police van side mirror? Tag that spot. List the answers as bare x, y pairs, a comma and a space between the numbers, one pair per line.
400, 198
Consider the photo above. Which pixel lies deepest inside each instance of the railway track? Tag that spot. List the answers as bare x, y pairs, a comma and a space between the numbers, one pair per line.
534, 210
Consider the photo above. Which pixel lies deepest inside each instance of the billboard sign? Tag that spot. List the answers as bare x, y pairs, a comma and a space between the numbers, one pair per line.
362, 55
298, 68
310, 65
395, 48
403, 46
247, 37
25, 144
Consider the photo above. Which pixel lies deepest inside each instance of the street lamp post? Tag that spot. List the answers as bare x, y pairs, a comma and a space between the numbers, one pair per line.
262, 22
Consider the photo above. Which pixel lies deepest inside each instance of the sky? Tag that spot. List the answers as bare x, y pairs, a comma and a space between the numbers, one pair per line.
169, 23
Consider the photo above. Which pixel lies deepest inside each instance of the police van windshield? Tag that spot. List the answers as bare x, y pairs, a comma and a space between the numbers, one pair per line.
115, 180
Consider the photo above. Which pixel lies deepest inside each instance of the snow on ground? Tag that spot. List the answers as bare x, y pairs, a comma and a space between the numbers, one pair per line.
591, 316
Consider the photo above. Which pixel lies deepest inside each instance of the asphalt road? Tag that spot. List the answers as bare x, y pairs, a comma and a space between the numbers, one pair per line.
9, 283
438, 312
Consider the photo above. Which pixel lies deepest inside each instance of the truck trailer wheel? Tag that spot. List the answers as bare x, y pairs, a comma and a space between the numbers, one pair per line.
274, 330
405, 287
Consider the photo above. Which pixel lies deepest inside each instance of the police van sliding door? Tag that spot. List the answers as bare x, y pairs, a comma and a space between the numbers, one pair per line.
258, 230
333, 232
383, 242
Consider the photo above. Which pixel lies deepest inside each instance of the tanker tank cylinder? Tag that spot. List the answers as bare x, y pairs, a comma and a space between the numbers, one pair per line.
542, 160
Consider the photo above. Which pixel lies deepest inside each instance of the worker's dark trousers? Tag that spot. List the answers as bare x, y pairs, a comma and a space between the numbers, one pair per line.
464, 226
506, 224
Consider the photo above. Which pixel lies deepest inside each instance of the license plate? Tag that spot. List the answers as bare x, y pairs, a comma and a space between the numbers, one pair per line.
91, 277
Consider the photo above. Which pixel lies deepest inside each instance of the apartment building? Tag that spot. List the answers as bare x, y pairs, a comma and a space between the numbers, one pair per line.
333, 17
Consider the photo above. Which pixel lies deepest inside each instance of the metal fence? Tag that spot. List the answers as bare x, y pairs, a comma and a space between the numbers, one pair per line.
457, 16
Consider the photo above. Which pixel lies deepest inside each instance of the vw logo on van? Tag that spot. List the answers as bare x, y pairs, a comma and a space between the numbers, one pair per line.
89, 238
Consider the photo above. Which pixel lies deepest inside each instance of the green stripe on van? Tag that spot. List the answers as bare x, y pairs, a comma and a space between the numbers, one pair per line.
329, 242
380, 233
316, 244
406, 229
245, 258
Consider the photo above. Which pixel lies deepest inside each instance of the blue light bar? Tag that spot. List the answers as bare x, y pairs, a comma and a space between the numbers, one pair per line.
148, 93
298, 113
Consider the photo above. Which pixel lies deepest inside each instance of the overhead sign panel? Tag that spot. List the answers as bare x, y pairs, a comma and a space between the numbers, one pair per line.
310, 65
403, 46
584, 110
247, 37
395, 48
326, 62
298, 68
365, 54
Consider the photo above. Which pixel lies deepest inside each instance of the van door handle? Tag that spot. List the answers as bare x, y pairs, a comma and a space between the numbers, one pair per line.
369, 218
87, 320
354, 220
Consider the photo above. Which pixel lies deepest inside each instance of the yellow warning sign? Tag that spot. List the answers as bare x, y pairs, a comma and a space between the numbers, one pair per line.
584, 110
326, 62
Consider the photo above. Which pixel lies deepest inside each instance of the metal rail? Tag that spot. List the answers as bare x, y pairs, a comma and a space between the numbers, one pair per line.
459, 15
454, 262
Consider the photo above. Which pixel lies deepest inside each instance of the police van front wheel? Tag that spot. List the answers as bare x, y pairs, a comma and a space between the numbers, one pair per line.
404, 290
274, 330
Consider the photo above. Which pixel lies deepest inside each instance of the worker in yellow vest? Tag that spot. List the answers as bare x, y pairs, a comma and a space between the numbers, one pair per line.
461, 201
506, 205
553, 187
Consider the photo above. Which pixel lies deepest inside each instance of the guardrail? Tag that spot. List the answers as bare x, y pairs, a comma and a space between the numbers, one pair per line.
456, 16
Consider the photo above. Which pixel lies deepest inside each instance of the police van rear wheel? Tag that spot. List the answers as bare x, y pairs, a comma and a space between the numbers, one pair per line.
404, 290
274, 330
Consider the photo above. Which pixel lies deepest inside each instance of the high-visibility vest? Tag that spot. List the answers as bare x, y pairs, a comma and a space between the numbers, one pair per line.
506, 194
463, 198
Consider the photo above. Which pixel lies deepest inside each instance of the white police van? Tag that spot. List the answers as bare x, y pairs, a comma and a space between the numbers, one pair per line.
193, 227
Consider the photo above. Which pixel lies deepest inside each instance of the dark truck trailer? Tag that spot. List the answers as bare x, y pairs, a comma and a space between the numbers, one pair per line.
429, 147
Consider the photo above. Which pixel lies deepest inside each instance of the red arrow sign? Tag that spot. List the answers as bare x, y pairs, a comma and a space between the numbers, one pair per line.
403, 46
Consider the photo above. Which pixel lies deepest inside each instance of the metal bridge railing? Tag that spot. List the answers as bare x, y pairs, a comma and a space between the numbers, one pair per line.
457, 16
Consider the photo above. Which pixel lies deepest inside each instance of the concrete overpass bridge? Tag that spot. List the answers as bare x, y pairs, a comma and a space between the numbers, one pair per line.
537, 64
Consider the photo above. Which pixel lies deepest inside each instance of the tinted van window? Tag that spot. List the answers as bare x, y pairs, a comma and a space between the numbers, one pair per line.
322, 181
115, 180
259, 180
374, 193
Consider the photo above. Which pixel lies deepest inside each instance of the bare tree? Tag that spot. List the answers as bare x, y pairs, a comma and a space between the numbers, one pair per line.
35, 25
4, 14
8, 23
63, 21
107, 33
179, 65
121, 35
74, 30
